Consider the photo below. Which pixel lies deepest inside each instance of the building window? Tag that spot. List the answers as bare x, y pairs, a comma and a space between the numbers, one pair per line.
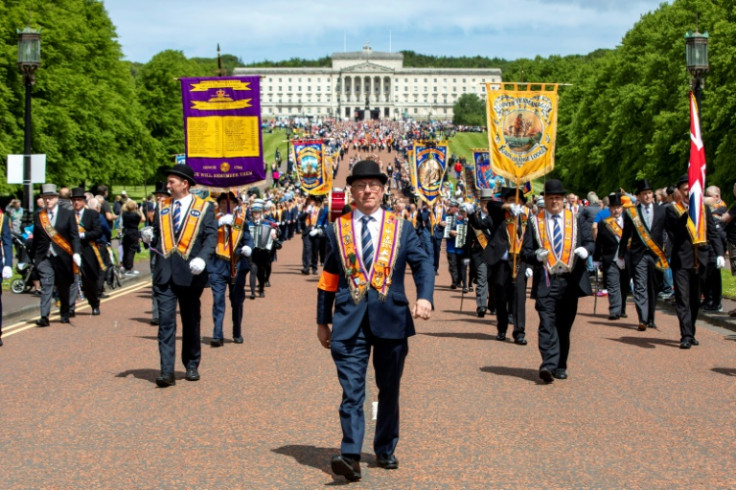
309, 88
289, 88
416, 89
425, 80
416, 111
454, 89
454, 80
317, 88
435, 88
406, 88
426, 88
289, 80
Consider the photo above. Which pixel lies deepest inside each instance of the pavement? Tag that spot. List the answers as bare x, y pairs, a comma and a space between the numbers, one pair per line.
80, 407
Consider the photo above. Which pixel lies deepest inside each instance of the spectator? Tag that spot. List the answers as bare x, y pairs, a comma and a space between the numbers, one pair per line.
15, 212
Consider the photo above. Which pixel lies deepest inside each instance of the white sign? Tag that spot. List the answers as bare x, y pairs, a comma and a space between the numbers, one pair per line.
15, 169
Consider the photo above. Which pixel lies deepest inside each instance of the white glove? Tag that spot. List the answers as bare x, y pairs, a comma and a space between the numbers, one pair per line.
314, 232
225, 220
246, 251
517, 209
720, 264
541, 254
77, 260
196, 266
621, 263
596, 264
466, 261
147, 234
7, 272
528, 272
81, 236
581, 252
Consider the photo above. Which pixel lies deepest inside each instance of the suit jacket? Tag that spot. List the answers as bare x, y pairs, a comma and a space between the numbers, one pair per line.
388, 319
683, 252
578, 277
499, 243
92, 232
606, 245
638, 248
174, 268
66, 226
7, 239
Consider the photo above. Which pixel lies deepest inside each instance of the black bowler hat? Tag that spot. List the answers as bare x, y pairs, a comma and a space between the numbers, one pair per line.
642, 185
184, 171
161, 188
682, 180
367, 169
224, 195
554, 187
77, 193
614, 199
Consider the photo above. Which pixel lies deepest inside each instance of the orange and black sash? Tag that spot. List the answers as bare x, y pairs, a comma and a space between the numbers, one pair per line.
94, 246
55, 236
643, 233
223, 249
191, 221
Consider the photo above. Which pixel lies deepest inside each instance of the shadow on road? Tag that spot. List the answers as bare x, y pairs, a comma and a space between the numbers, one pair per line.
614, 323
145, 374
462, 335
147, 321
316, 457
726, 371
647, 342
523, 373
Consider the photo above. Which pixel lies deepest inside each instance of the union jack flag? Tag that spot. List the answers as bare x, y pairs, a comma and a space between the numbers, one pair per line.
696, 176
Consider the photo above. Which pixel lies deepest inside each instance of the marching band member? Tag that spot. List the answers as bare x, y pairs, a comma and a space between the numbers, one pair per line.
454, 253
184, 234
438, 232
556, 244
310, 231
234, 246
644, 227
607, 246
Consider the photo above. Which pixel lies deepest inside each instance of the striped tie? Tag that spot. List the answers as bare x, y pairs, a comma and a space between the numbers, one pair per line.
557, 235
177, 216
366, 242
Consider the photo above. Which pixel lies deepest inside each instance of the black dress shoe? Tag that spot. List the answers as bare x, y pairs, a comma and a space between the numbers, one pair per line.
685, 344
387, 462
165, 380
64, 319
546, 375
314, 272
501, 337
104, 295
481, 312
305, 272
520, 341
453, 286
1, 342
72, 313
268, 284
347, 467
613, 317
560, 374
95, 311
252, 295
43, 321
154, 321
238, 340
694, 341
652, 325
261, 294
624, 315
217, 342
192, 374
465, 290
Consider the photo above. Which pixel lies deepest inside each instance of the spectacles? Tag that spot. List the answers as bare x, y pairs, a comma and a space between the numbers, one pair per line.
373, 186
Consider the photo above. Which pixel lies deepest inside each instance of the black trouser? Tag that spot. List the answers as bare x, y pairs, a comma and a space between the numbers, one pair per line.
504, 294
518, 302
188, 298
130, 247
687, 299
557, 313
261, 257
454, 261
713, 286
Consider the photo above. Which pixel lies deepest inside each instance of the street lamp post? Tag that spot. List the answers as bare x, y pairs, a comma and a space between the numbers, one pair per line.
29, 59
696, 51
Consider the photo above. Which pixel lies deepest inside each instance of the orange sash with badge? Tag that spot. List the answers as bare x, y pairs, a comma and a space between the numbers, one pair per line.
612, 225
55, 237
691, 229
223, 249
516, 237
641, 230
379, 276
565, 261
94, 246
191, 221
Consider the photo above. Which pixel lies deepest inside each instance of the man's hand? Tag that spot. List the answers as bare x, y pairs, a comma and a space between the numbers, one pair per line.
422, 309
324, 334
621, 263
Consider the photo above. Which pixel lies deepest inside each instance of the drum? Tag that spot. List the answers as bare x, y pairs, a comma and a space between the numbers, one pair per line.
337, 201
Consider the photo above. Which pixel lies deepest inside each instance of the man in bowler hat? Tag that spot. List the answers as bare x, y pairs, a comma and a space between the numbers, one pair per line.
607, 246
184, 236
368, 250
90, 230
556, 244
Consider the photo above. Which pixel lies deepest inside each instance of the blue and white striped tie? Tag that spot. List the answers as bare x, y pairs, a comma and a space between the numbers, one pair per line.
557, 235
177, 216
366, 242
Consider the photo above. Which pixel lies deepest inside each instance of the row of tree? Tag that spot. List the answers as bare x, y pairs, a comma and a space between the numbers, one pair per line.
624, 115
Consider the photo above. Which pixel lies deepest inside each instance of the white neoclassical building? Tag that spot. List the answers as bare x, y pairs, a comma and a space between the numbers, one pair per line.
367, 84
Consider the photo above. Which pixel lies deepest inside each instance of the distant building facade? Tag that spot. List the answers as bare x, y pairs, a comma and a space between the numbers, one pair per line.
367, 85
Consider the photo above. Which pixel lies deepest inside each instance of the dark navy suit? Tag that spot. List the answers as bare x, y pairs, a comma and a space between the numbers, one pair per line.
372, 323
7, 251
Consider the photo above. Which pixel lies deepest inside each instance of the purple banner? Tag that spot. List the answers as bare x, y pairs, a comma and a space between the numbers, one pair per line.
222, 130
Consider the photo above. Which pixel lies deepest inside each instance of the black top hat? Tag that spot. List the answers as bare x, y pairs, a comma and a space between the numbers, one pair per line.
224, 195
682, 180
161, 188
642, 185
78, 192
554, 187
614, 199
184, 171
507, 192
367, 169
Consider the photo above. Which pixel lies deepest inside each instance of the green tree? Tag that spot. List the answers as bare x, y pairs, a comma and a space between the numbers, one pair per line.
469, 110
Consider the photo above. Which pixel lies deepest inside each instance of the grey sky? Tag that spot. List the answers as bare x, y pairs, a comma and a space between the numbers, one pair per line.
282, 29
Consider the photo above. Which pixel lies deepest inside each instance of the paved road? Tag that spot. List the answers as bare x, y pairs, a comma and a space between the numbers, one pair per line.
80, 407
